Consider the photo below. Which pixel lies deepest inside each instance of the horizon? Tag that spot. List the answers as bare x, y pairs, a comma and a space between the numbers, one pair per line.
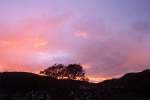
91, 79
108, 38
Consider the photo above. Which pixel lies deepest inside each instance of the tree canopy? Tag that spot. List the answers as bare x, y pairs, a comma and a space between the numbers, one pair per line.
60, 71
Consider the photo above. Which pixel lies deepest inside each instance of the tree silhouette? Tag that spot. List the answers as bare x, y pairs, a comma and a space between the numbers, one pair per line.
75, 71
54, 71
60, 71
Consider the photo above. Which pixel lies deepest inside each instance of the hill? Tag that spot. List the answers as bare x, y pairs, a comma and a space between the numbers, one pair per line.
29, 86
131, 86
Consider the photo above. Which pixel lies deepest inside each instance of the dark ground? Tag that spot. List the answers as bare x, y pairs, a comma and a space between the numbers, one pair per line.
29, 86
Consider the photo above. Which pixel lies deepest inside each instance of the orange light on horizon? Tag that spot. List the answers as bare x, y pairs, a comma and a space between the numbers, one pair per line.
96, 79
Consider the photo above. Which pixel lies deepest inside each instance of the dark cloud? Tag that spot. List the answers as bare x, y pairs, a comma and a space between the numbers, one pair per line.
111, 54
141, 30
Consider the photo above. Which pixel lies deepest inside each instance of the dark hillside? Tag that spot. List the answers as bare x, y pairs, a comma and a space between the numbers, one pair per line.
29, 86
22, 83
131, 86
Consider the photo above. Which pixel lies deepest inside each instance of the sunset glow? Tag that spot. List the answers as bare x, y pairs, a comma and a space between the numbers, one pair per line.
109, 38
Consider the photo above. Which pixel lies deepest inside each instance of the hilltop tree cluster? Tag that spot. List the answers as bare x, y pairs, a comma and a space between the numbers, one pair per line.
60, 71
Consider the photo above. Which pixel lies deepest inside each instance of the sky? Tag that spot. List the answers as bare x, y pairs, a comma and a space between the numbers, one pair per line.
107, 37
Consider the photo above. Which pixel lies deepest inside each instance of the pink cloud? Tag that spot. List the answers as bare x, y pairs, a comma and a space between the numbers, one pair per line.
27, 39
35, 43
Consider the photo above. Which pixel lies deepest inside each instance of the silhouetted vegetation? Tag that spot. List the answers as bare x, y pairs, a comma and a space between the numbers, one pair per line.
60, 71
29, 86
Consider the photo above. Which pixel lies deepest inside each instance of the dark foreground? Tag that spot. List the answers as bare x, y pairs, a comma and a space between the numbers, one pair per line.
28, 86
